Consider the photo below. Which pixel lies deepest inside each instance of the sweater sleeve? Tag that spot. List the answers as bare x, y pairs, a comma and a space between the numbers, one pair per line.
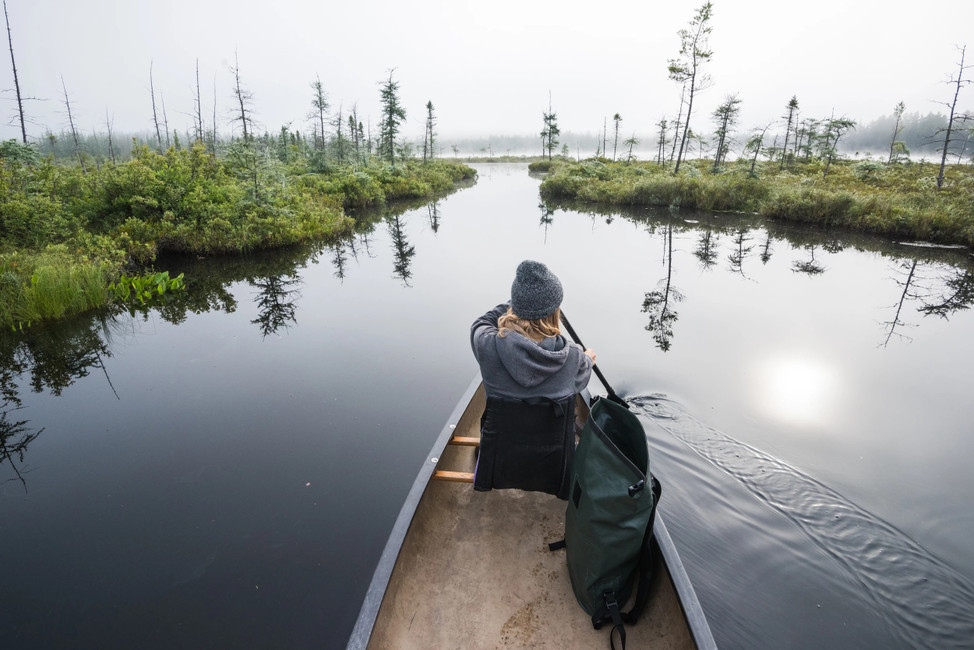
485, 327
585, 365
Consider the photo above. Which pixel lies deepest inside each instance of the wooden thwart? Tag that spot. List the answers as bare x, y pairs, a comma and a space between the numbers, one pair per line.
455, 477
465, 442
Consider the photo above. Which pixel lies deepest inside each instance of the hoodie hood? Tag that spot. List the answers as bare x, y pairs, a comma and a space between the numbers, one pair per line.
531, 363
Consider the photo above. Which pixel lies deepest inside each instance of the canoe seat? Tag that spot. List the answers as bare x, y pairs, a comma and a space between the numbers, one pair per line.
455, 477
465, 442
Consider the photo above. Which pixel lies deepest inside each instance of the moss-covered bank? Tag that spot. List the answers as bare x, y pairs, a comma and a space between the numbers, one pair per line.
899, 200
67, 233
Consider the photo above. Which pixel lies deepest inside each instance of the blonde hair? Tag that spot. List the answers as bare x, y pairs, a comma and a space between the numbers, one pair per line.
536, 330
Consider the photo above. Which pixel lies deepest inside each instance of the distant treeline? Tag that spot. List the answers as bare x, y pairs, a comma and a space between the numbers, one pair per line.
922, 134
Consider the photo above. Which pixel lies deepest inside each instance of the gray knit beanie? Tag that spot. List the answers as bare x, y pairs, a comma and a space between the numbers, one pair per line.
536, 291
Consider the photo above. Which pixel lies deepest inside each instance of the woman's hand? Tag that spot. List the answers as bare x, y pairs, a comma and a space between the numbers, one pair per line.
591, 354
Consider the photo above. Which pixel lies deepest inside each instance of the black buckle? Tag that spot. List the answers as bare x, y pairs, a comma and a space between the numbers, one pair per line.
638, 487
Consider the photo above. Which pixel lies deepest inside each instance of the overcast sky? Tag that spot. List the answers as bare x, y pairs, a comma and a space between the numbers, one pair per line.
486, 66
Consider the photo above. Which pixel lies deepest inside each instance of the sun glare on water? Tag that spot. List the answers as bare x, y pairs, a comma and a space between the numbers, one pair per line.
796, 389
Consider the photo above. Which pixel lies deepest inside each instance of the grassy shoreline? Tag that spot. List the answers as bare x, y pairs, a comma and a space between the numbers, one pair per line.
66, 234
898, 200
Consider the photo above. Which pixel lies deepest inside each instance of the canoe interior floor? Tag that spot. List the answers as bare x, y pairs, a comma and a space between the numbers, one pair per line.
475, 572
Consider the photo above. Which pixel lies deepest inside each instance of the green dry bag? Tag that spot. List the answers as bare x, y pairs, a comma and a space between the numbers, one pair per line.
609, 522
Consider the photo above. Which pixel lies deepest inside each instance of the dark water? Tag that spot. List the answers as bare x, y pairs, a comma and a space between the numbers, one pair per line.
223, 472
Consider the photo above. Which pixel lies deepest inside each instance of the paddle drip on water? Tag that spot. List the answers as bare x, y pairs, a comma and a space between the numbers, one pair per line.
924, 601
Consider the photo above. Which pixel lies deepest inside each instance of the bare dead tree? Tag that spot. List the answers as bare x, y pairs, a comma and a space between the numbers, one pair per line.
13, 64
244, 100
958, 83
74, 131
679, 123
213, 138
111, 144
165, 119
155, 115
199, 105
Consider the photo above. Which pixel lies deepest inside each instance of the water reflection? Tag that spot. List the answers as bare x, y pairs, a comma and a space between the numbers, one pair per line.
957, 292
940, 289
434, 214
276, 302
403, 251
656, 303
547, 218
706, 250
14, 438
53, 357
741, 250
809, 266
930, 281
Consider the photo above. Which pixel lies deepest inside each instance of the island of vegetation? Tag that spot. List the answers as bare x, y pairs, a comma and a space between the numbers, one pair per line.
895, 200
77, 234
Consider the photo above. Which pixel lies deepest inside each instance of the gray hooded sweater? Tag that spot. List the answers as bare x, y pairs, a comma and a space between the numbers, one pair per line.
516, 366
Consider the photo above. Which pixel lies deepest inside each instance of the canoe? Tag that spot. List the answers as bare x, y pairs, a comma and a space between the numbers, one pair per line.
472, 569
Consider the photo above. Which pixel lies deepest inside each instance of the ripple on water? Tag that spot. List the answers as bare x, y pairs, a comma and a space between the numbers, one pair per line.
924, 601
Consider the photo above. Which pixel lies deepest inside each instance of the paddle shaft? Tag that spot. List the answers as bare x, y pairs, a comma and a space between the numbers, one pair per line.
598, 373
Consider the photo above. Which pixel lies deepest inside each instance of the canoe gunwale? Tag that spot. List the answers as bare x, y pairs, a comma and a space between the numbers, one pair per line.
696, 620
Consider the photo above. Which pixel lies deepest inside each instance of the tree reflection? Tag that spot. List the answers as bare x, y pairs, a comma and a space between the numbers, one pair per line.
403, 251
958, 294
433, 209
657, 303
14, 438
54, 356
339, 257
766, 248
809, 266
706, 250
275, 303
741, 250
934, 281
547, 218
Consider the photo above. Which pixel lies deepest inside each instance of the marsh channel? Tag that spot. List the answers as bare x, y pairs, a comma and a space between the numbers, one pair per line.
224, 470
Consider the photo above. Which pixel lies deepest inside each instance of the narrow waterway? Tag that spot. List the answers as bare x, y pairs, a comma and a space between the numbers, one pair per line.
223, 471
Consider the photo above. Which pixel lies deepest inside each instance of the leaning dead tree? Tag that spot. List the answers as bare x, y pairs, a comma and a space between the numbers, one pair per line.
244, 100
953, 117
74, 131
155, 115
13, 64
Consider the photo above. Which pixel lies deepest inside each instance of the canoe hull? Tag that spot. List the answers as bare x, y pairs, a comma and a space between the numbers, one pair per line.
473, 569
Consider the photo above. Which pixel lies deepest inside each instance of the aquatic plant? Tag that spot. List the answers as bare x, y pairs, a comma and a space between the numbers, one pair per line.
145, 288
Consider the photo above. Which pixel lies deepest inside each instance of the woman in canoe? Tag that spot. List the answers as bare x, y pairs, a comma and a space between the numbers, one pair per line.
531, 375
